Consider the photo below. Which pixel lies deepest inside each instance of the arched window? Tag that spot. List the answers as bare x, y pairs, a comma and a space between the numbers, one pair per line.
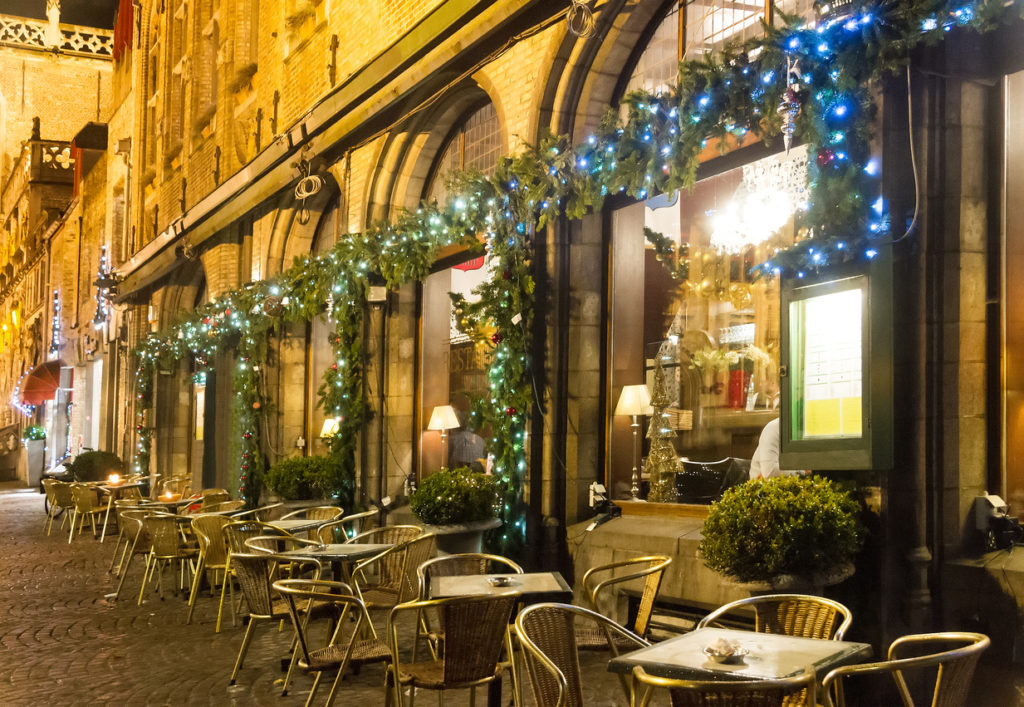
452, 370
716, 334
474, 143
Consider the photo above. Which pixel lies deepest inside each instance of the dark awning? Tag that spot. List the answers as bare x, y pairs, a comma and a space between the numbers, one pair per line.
41, 383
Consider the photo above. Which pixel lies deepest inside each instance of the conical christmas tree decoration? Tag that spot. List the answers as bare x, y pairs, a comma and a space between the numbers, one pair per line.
662, 463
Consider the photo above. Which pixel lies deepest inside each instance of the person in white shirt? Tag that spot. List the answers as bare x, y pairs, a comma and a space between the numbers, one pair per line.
765, 463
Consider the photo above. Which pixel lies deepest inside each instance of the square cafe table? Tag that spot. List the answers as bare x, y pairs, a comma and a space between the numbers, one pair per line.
535, 586
115, 491
770, 656
338, 554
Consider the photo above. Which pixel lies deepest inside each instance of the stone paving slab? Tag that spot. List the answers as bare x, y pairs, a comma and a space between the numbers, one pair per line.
67, 644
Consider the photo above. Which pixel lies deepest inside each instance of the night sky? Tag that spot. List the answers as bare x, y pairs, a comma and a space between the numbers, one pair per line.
90, 13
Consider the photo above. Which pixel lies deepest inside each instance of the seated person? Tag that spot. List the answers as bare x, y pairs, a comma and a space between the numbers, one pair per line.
765, 463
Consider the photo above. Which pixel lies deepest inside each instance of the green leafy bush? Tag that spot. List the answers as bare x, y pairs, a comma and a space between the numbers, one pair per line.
451, 496
34, 432
794, 525
95, 466
295, 478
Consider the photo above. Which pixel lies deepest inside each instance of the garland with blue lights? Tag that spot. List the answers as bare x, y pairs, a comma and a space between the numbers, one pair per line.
809, 82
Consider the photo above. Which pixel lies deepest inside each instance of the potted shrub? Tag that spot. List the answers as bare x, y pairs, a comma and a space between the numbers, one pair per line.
34, 437
458, 505
94, 466
311, 478
786, 533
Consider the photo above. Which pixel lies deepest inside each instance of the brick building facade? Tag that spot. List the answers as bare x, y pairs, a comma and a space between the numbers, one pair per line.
229, 103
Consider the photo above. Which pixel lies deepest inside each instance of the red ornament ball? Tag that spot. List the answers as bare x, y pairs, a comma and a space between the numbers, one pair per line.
510, 411
506, 274
496, 337
206, 320
247, 435
256, 405
826, 157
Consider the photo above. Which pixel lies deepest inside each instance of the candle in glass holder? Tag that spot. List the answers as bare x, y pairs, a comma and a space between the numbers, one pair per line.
114, 478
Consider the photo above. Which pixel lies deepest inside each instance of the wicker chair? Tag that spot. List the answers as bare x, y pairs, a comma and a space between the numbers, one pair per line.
213, 555
475, 629
213, 497
120, 506
396, 579
166, 548
340, 650
235, 534
316, 513
598, 583
547, 635
224, 507
451, 565
725, 693
953, 668
260, 514
253, 572
344, 529
799, 615
387, 534
137, 543
85, 506
61, 503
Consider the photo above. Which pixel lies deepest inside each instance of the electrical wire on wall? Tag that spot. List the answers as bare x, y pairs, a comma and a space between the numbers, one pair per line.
913, 161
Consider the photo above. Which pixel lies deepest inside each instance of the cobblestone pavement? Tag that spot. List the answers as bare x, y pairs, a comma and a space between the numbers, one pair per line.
67, 644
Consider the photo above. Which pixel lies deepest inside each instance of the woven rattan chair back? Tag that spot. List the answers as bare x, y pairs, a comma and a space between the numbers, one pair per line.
48, 491
134, 519
212, 545
798, 615
175, 484
62, 494
474, 634
84, 498
237, 532
461, 564
600, 582
166, 542
253, 573
316, 513
301, 592
391, 566
222, 506
725, 693
213, 492
952, 667
547, 633
213, 498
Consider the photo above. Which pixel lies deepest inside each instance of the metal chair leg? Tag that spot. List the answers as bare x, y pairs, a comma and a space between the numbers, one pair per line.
145, 577
241, 651
195, 590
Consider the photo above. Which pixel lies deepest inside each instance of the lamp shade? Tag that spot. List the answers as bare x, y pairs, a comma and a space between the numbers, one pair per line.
634, 400
330, 427
443, 418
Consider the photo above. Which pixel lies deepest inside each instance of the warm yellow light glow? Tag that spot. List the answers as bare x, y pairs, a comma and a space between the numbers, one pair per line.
114, 478
749, 219
634, 400
330, 428
443, 418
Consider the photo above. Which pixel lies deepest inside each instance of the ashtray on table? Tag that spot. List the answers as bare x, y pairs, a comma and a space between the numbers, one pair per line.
722, 651
499, 581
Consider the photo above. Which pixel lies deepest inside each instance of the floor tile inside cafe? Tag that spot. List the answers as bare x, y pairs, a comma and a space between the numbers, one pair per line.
66, 643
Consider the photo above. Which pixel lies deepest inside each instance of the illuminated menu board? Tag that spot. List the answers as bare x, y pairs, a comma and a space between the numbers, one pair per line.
826, 357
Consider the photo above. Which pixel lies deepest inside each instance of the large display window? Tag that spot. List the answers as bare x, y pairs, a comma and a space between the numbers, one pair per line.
697, 319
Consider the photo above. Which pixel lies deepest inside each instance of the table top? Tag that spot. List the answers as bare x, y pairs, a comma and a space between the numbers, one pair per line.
769, 656
297, 525
110, 488
547, 583
339, 551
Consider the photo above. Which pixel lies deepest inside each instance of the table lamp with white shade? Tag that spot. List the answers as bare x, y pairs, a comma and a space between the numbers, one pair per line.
443, 418
330, 428
635, 400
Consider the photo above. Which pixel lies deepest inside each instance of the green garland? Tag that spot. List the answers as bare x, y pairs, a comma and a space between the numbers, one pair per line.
655, 150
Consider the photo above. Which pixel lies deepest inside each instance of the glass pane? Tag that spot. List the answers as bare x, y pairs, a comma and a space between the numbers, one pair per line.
715, 331
826, 365
475, 145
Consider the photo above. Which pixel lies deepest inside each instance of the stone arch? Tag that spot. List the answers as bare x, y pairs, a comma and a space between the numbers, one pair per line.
289, 236
408, 157
173, 446
588, 74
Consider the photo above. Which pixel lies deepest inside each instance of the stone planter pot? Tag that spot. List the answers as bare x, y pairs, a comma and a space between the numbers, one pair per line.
798, 584
462, 537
